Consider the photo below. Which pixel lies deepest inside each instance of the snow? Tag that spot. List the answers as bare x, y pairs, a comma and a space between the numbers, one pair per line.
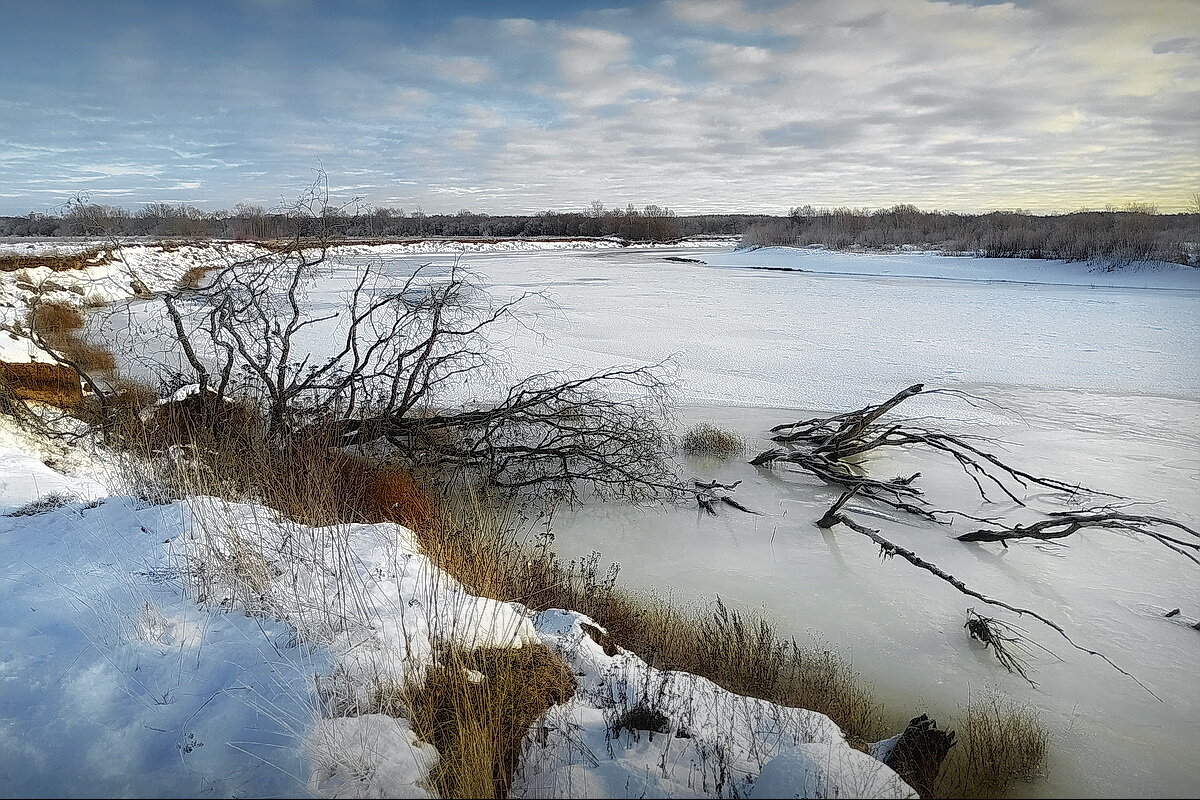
171, 650
133, 270
515, 245
936, 266
114, 683
716, 743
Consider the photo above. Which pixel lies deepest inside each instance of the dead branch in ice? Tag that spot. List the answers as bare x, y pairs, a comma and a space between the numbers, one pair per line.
1064, 523
889, 549
711, 493
823, 446
1006, 641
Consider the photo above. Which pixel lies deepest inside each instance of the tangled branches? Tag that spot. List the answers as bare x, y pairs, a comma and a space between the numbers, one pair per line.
1005, 640
825, 448
831, 449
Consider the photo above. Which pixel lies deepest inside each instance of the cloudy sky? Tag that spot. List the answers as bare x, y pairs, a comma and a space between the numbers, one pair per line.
521, 105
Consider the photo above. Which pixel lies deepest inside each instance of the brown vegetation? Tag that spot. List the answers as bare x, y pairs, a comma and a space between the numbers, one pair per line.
475, 708
53, 384
59, 262
58, 326
1000, 743
707, 439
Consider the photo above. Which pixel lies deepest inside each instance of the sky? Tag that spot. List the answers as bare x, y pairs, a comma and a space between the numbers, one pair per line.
522, 105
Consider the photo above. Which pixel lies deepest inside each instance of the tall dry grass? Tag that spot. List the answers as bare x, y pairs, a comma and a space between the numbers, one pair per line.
501, 548
1001, 743
58, 262
60, 326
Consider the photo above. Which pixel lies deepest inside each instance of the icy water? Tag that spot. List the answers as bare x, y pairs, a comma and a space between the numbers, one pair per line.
1098, 384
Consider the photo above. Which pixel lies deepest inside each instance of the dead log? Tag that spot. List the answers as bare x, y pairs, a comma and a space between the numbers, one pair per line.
918, 754
1064, 523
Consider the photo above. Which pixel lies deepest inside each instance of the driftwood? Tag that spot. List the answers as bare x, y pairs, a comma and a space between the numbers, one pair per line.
824, 446
918, 754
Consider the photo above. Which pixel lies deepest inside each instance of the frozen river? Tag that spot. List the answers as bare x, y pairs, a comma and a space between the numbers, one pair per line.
1098, 376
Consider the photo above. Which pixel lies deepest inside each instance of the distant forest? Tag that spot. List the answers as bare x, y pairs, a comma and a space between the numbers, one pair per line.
1132, 233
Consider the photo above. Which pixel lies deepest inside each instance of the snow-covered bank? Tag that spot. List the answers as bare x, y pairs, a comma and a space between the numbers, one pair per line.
512, 245
707, 742
208, 648
129, 271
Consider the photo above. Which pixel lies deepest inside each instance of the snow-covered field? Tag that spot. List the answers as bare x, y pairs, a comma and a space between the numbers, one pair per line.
1099, 381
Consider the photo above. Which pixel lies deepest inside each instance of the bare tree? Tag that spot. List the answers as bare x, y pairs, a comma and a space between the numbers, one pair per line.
389, 361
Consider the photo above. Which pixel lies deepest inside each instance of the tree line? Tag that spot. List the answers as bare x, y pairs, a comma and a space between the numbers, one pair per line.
1134, 232
253, 222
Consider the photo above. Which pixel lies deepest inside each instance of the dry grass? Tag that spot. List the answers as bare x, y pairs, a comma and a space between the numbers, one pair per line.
60, 325
1000, 743
308, 480
475, 708
192, 278
707, 439
493, 549
52, 384
58, 262
500, 549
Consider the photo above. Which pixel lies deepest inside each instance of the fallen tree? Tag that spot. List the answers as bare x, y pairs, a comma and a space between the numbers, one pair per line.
834, 449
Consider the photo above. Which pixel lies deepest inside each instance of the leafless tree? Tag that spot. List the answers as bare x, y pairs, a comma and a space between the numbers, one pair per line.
389, 360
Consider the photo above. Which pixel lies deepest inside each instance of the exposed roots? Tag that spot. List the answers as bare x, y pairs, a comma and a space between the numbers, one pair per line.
822, 446
1005, 640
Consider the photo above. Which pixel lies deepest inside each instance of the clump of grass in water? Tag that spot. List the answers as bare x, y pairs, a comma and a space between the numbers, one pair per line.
1000, 743
706, 439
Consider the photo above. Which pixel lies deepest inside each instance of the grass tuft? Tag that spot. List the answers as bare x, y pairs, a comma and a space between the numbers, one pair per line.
1000, 743
707, 439
475, 708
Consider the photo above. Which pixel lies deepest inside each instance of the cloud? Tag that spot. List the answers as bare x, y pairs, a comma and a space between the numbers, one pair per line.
698, 104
